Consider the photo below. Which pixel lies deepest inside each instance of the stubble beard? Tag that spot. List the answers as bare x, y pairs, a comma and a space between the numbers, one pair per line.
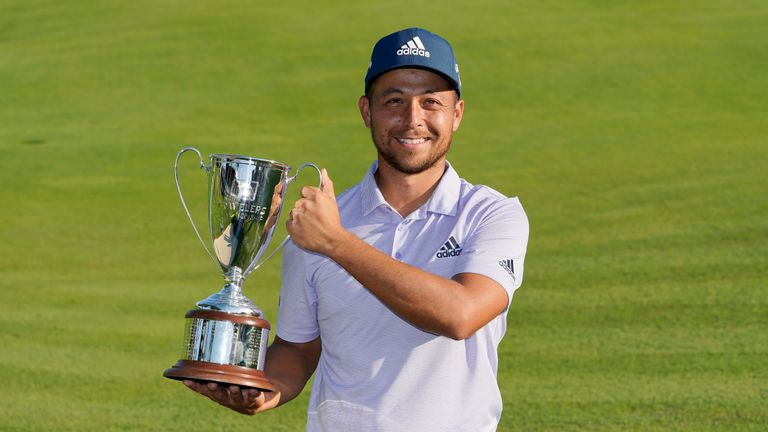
406, 164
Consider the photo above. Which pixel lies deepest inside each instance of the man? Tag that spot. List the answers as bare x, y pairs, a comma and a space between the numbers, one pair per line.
395, 294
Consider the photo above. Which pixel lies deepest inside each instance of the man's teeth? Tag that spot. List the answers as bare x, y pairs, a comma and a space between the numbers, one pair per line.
413, 141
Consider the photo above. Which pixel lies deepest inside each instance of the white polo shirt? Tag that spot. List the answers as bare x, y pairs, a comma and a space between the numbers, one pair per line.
377, 372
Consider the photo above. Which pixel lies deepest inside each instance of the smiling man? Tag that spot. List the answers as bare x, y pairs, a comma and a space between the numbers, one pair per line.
395, 294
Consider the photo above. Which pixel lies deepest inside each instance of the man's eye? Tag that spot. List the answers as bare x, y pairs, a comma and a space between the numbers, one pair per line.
393, 101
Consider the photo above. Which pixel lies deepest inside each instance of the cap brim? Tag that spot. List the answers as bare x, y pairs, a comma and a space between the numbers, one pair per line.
450, 80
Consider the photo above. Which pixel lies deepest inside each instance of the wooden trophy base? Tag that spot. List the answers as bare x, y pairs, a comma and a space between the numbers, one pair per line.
239, 340
220, 373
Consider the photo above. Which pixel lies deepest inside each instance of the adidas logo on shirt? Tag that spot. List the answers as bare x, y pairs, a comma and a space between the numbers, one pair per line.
451, 248
413, 47
508, 265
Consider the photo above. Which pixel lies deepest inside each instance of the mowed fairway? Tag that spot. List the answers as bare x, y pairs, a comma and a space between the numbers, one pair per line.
635, 134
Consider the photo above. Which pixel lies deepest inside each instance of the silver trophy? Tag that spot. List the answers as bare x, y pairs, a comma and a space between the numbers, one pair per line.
226, 336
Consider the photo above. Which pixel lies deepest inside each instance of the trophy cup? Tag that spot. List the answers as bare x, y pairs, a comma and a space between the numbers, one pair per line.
226, 336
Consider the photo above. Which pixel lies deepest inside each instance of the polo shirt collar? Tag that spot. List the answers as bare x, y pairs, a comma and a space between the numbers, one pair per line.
444, 199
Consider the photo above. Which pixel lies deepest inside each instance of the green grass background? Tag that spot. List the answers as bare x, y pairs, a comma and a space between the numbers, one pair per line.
635, 134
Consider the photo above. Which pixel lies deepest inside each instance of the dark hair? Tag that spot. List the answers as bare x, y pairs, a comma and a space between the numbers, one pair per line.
369, 95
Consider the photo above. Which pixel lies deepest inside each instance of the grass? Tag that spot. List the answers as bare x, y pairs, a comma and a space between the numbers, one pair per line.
633, 132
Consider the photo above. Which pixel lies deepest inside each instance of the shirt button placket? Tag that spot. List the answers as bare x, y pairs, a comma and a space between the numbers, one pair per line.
398, 241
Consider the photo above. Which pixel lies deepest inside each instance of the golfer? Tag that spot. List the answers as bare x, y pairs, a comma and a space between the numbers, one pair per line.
395, 293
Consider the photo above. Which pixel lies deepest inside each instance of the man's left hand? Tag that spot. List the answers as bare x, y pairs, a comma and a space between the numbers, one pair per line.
314, 223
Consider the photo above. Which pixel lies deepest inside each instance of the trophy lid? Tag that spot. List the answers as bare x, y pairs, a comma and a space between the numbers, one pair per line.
230, 300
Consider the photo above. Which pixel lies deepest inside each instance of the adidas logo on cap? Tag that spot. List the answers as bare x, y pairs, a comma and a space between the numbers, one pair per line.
413, 47
451, 248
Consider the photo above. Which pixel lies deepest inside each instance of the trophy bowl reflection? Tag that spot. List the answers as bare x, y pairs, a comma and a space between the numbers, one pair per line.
226, 336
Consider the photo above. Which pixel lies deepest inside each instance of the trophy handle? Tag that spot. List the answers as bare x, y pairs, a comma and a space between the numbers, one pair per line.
288, 181
181, 196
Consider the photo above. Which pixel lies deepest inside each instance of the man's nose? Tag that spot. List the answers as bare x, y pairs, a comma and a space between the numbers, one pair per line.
413, 115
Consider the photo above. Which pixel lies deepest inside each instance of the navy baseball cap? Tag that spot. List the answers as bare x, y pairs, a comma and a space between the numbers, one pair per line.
414, 48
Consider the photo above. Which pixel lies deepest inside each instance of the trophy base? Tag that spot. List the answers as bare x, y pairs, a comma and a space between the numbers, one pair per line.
220, 373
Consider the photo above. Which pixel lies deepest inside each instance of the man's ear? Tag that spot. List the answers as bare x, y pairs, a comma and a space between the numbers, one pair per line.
458, 114
365, 110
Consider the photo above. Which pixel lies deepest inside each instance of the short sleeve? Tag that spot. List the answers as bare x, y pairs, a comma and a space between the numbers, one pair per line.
297, 315
496, 247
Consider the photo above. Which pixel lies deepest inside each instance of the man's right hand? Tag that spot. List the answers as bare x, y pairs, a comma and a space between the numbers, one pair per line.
243, 400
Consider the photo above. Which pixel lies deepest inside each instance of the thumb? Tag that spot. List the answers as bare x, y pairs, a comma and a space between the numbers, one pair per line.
327, 186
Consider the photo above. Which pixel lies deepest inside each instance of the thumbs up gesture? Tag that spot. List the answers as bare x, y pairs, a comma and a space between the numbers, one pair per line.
314, 222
